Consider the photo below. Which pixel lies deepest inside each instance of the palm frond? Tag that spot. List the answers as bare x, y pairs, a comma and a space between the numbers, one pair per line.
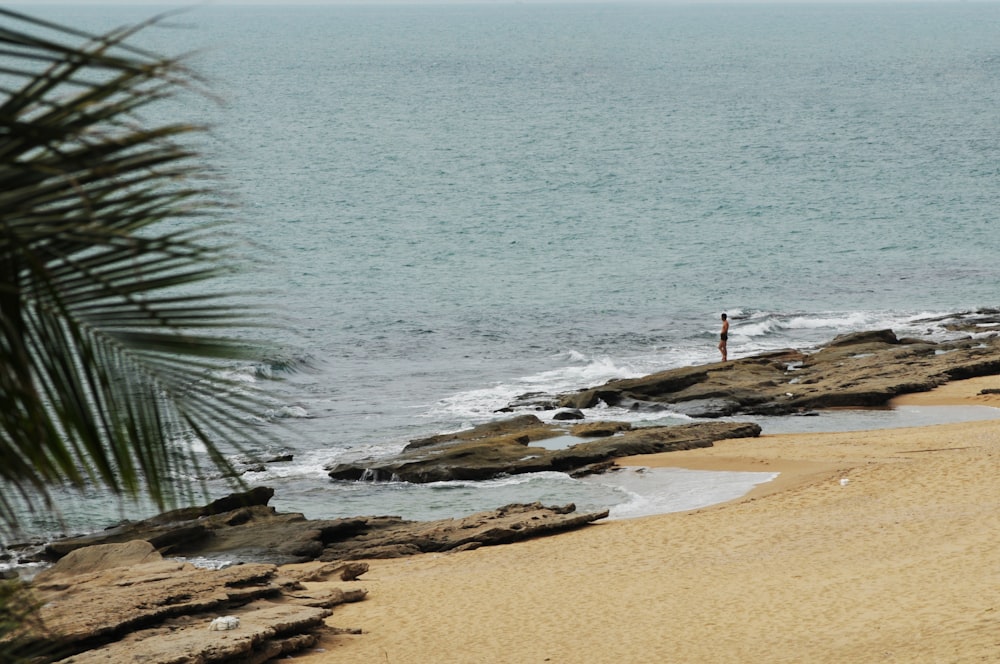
113, 352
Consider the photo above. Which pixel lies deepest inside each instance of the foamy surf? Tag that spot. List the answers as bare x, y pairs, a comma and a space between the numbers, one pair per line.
650, 491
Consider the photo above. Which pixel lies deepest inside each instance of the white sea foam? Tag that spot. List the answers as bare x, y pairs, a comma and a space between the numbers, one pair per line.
191, 444
474, 406
501, 482
751, 333
306, 464
206, 563
755, 328
288, 411
847, 321
574, 356
660, 490
246, 374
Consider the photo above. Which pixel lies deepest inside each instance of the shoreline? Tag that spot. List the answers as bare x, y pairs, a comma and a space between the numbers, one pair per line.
794, 471
899, 564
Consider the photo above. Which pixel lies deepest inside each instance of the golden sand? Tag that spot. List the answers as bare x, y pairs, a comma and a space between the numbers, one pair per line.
900, 563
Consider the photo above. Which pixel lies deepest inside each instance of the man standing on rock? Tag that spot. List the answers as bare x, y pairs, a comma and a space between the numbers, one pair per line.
724, 337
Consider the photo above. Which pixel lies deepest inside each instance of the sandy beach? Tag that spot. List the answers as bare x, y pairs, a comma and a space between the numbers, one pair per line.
869, 547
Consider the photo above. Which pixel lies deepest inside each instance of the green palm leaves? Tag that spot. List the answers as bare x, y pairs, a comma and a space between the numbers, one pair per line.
113, 353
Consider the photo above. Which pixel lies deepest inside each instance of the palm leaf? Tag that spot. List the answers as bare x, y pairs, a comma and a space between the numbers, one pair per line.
112, 349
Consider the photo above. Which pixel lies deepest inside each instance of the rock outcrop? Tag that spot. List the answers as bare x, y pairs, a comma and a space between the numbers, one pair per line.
504, 448
125, 603
857, 370
260, 534
512, 523
113, 597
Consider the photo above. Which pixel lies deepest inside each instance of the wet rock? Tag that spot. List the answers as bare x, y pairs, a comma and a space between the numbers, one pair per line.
476, 460
522, 430
537, 401
179, 532
477, 455
855, 370
261, 535
869, 337
972, 322
594, 469
651, 440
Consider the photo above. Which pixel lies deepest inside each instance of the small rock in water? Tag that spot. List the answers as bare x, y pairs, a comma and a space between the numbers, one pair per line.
223, 623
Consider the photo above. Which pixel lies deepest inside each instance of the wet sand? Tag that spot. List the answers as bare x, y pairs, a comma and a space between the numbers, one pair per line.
869, 547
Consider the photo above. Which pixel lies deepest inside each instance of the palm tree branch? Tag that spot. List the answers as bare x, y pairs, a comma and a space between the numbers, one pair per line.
112, 352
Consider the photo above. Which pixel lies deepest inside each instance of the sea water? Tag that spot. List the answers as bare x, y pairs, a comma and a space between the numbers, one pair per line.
455, 205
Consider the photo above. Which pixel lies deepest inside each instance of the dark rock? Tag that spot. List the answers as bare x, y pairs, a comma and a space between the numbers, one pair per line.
256, 496
476, 460
505, 525
538, 401
651, 440
707, 408
976, 322
249, 498
513, 429
856, 370
642, 406
260, 535
570, 414
594, 469
859, 338
476, 455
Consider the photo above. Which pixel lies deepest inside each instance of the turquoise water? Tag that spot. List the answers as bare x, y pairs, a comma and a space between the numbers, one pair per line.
456, 205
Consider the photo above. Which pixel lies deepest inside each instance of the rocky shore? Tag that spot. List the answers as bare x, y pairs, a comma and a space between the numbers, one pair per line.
126, 594
506, 448
865, 369
117, 595
249, 531
126, 603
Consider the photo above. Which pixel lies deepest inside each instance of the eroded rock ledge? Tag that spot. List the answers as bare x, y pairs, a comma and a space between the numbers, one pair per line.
499, 448
112, 597
253, 532
856, 370
862, 369
125, 603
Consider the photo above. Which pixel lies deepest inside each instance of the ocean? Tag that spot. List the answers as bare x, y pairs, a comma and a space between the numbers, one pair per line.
455, 205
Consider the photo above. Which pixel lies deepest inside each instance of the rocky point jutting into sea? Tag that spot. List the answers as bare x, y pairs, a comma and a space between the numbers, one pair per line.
859, 370
159, 609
